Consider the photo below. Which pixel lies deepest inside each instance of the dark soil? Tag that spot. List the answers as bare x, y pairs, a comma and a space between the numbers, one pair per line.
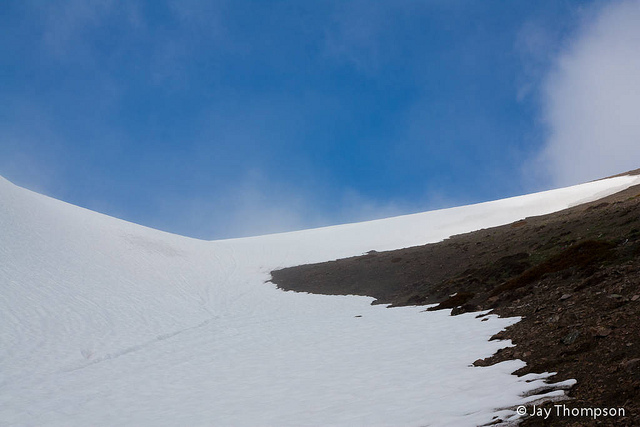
574, 277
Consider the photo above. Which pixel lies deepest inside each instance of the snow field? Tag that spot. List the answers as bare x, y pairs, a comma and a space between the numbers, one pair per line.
104, 322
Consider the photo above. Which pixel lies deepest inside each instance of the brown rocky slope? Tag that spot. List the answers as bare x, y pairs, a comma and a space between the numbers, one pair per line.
574, 277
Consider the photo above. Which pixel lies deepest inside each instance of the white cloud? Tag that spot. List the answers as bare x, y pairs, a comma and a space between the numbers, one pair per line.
592, 99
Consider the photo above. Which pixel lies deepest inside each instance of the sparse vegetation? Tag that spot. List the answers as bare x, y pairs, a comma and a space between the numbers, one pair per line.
581, 256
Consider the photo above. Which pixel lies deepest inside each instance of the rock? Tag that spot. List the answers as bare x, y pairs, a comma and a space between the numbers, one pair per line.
635, 298
465, 308
618, 298
631, 364
553, 319
632, 367
416, 300
499, 336
565, 297
482, 362
601, 331
571, 337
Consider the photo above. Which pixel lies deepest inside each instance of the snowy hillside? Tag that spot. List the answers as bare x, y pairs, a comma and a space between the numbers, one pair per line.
104, 322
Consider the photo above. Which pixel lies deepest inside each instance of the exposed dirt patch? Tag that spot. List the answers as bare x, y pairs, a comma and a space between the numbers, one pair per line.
574, 276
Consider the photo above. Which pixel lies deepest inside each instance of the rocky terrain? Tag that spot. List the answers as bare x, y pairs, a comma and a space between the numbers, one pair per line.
574, 277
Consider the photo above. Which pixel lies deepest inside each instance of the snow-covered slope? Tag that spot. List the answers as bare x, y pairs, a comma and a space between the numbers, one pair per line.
104, 322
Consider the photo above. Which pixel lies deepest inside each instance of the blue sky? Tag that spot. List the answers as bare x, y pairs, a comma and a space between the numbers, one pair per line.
218, 119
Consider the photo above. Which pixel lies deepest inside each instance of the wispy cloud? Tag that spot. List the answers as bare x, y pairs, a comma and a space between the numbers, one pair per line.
260, 204
591, 99
255, 204
355, 33
23, 157
367, 35
536, 44
66, 24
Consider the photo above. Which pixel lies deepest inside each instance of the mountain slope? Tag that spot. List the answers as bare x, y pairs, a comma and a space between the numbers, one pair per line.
573, 275
107, 322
